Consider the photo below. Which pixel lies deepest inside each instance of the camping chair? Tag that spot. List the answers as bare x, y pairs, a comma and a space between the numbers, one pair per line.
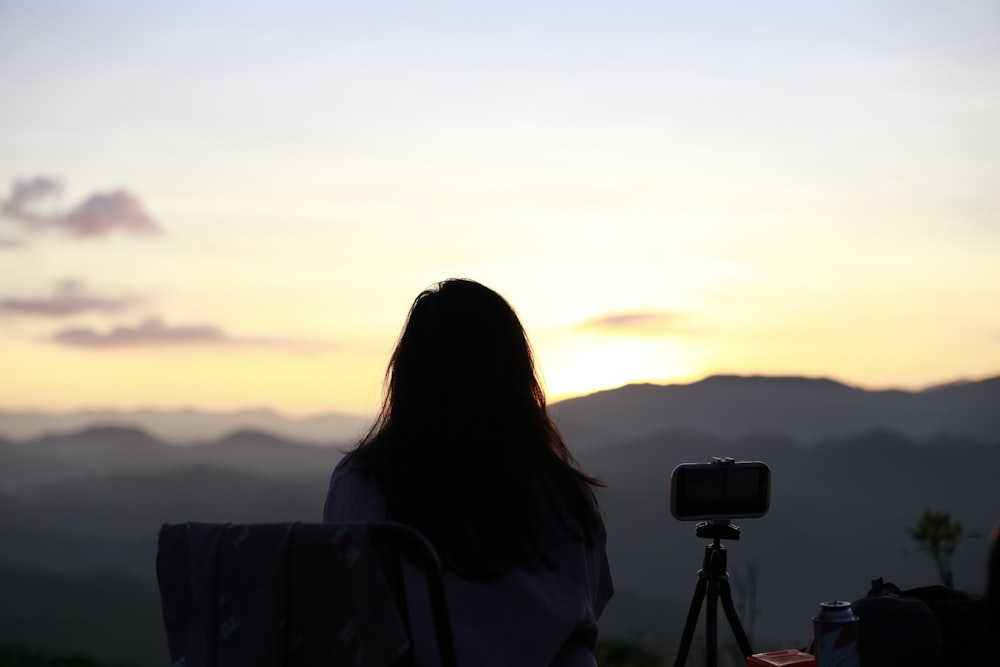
302, 594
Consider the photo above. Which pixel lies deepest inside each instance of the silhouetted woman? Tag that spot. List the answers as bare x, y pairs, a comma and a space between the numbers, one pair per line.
464, 451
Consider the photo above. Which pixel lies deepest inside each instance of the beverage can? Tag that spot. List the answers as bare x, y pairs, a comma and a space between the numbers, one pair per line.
835, 635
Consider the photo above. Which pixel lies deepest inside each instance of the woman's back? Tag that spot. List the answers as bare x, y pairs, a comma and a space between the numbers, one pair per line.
527, 616
464, 451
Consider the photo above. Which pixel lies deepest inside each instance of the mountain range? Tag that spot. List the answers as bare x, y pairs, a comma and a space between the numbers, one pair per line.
851, 469
720, 405
806, 409
188, 427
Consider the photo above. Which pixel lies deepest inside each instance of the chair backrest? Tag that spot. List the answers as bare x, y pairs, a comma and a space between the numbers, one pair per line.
242, 595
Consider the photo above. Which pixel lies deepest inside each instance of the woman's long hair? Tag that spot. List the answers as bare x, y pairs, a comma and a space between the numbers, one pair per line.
463, 448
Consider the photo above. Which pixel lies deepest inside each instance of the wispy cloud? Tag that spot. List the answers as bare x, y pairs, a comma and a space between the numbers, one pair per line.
154, 332
27, 198
635, 323
32, 204
69, 297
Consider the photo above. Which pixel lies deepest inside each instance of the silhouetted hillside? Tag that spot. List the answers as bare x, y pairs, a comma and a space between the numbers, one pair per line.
113, 521
105, 613
264, 454
187, 426
723, 405
93, 452
805, 409
106, 451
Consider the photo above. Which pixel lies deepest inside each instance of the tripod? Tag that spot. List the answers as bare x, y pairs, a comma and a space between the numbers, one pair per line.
713, 579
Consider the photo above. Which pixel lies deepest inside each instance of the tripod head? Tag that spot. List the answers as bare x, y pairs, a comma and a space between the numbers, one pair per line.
717, 529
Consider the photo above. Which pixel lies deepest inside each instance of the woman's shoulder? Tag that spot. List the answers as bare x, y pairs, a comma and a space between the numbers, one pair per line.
347, 465
353, 494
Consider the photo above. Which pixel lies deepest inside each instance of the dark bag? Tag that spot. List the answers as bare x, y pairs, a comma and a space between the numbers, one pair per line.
932, 626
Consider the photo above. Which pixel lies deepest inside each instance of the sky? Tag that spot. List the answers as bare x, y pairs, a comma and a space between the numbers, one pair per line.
223, 205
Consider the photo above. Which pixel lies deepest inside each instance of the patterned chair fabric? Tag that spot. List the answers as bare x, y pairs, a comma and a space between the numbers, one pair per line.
295, 594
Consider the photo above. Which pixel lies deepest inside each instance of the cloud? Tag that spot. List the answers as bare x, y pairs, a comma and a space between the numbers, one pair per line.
634, 323
154, 332
32, 204
104, 213
27, 197
68, 298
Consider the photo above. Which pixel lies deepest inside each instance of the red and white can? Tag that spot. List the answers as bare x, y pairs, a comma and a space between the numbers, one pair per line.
835, 636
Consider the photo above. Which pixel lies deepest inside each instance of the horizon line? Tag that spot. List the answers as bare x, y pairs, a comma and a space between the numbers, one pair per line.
287, 414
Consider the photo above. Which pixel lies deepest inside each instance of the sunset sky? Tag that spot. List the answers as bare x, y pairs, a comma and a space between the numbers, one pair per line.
232, 204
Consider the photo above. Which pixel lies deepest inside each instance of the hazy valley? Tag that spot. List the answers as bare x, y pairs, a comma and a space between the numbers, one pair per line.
80, 510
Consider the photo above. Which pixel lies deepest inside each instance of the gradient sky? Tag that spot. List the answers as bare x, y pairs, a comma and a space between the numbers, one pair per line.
232, 204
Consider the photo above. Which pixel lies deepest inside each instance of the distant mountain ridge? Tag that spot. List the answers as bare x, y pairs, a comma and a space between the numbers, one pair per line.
719, 405
802, 408
112, 451
188, 427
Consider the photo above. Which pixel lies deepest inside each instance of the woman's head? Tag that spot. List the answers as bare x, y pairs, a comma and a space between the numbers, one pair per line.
464, 449
462, 357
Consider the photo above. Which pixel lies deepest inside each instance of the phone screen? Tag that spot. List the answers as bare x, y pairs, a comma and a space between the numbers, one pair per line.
704, 491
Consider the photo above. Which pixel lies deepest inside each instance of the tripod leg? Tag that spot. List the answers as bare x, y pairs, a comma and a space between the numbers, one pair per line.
734, 620
691, 623
712, 625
